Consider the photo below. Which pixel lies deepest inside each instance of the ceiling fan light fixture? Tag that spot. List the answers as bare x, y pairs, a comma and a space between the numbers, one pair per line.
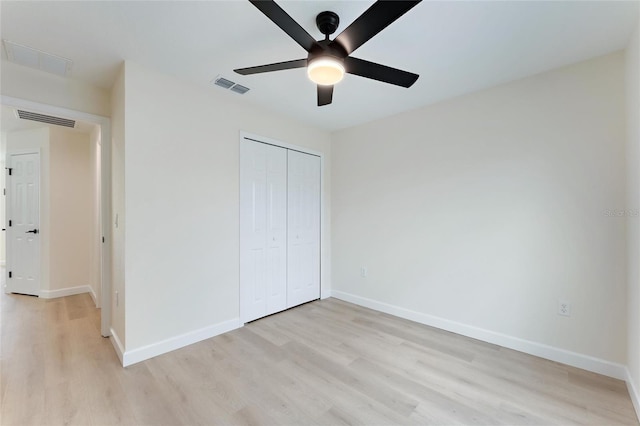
325, 71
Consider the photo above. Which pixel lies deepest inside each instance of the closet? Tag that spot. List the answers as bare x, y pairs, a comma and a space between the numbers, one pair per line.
279, 228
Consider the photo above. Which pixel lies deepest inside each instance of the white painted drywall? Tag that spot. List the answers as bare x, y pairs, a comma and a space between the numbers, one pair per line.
182, 201
71, 208
489, 208
632, 77
38, 140
38, 86
117, 296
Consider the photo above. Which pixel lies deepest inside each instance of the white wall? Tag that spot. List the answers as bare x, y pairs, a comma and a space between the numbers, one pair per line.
632, 71
38, 86
182, 202
38, 139
71, 209
483, 211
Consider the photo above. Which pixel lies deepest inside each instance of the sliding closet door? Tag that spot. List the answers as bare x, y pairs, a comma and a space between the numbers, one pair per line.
263, 230
303, 259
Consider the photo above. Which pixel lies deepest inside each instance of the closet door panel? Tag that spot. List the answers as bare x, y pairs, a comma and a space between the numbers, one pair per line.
263, 221
276, 219
303, 266
253, 293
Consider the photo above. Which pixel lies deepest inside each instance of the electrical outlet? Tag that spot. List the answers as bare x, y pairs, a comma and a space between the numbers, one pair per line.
363, 271
564, 308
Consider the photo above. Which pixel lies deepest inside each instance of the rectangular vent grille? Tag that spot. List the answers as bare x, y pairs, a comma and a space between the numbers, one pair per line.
34, 58
223, 82
228, 84
240, 89
48, 119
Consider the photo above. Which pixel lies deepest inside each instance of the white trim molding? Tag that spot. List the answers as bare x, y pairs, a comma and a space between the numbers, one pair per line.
94, 296
117, 344
633, 392
149, 351
62, 292
574, 359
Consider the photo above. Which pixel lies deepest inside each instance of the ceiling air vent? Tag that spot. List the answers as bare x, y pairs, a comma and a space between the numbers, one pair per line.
240, 89
228, 84
48, 119
34, 58
223, 82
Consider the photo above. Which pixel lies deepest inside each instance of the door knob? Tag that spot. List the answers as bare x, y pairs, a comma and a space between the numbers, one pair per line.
33, 231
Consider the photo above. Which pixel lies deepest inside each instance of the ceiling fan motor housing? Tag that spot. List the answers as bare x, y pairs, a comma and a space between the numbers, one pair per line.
327, 22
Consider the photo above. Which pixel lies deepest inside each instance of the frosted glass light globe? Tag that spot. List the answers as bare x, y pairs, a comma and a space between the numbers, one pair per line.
325, 71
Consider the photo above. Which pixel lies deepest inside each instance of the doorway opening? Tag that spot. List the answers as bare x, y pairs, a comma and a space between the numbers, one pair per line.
69, 221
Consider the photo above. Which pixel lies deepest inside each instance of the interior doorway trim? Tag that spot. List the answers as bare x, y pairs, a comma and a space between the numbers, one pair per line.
268, 141
105, 184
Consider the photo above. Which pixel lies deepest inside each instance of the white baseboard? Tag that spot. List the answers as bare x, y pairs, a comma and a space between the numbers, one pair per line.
61, 292
633, 392
94, 296
325, 293
117, 345
145, 352
574, 359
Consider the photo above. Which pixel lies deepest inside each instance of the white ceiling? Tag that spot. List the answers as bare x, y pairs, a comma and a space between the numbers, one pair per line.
456, 47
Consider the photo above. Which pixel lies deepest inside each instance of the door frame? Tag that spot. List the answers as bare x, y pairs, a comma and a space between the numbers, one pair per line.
8, 197
325, 287
104, 124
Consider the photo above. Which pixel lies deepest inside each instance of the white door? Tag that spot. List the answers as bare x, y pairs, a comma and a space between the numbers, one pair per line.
303, 258
23, 224
263, 222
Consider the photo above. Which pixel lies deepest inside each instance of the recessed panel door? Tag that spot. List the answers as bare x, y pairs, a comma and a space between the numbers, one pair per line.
276, 243
23, 224
303, 260
263, 223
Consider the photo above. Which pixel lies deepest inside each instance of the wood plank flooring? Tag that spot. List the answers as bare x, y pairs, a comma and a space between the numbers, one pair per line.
325, 363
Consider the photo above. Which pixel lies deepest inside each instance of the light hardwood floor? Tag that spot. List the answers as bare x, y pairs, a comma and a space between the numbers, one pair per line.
326, 363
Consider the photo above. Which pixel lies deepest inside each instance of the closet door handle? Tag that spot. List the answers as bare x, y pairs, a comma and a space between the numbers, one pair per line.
33, 231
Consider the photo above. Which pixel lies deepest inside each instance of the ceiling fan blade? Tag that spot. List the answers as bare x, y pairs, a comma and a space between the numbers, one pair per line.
285, 22
379, 72
372, 21
278, 66
325, 95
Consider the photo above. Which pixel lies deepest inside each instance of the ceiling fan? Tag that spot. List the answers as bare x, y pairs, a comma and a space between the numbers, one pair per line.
328, 60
